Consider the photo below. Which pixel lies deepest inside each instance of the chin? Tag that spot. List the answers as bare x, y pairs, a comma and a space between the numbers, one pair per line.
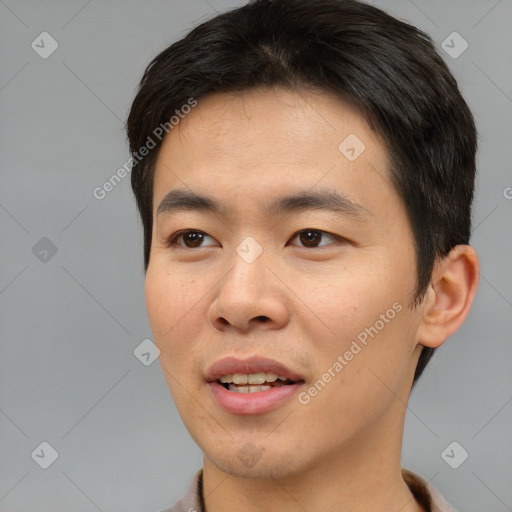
256, 467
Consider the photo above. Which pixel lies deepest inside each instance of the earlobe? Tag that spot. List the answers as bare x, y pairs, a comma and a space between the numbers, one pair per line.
450, 295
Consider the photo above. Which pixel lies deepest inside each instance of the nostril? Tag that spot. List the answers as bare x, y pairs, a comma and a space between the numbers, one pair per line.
262, 318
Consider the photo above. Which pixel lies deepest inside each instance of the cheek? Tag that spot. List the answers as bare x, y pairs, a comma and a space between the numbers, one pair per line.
173, 313
173, 309
344, 304
361, 316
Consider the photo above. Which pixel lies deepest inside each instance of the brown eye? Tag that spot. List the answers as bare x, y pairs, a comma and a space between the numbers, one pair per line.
312, 237
192, 239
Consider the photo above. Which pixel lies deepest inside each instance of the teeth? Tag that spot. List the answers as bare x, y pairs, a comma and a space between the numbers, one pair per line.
253, 378
256, 378
248, 389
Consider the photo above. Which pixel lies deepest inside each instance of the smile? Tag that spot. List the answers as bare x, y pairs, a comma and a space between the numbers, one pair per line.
254, 385
253, 382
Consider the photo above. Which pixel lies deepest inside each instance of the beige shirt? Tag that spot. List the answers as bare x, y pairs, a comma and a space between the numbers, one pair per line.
426, 495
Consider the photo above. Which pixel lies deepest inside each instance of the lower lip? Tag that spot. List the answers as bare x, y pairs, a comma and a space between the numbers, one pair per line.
252, 403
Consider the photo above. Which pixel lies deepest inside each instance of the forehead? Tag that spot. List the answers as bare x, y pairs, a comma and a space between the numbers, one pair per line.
284, 120
239, 142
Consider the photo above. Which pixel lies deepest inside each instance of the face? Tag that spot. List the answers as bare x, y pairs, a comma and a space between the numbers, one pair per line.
248, 280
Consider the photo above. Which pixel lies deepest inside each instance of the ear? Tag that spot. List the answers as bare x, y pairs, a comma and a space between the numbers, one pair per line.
449, 297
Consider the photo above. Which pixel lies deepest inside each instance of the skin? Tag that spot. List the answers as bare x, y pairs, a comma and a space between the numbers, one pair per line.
205, 302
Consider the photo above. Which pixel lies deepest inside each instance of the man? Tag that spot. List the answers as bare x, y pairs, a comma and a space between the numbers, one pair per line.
304, 172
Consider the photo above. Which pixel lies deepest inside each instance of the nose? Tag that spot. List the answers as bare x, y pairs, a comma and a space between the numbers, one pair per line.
249, 296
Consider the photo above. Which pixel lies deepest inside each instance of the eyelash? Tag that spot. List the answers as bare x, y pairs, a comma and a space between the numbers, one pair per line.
172, 241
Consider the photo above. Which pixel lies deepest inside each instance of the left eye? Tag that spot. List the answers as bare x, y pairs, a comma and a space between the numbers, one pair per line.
312, 237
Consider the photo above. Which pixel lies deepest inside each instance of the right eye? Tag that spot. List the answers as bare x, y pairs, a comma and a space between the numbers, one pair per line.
191, 239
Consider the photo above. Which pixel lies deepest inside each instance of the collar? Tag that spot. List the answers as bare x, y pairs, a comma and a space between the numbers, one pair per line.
424, 493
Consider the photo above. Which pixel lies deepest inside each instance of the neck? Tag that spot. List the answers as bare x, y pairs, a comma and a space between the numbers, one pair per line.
366, 475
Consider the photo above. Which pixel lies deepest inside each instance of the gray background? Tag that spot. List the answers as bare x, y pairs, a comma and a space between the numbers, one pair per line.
70, 324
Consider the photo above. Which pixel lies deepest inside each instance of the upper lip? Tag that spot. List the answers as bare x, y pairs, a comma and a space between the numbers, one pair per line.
254, 364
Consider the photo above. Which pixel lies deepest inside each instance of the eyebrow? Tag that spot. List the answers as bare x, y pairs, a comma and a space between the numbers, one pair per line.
185, 200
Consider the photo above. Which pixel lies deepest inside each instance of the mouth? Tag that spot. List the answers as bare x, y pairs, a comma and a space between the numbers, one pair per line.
251, 372
252, 386
253, 382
